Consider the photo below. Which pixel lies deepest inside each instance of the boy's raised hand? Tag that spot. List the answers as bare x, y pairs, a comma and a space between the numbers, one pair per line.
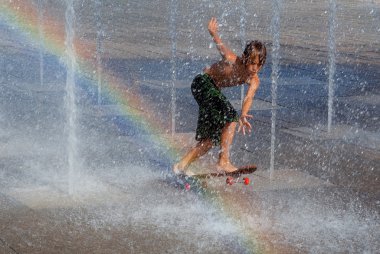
213, 26
243, 123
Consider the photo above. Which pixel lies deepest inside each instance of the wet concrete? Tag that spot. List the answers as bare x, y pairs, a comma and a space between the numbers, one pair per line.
324, 194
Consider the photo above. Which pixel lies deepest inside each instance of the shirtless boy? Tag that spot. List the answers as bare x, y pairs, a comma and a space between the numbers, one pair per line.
217, 118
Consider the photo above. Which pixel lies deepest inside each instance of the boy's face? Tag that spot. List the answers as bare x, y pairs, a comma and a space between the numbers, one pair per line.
253, 65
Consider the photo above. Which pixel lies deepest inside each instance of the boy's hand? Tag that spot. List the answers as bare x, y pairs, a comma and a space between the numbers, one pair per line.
213, 26
243, 123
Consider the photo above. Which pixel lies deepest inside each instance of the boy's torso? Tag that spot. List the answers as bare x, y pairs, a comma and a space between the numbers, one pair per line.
227, 74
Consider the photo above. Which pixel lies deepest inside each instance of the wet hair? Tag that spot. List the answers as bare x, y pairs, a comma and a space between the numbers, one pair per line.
253, 49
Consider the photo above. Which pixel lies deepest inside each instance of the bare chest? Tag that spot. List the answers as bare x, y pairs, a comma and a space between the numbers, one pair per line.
228, 75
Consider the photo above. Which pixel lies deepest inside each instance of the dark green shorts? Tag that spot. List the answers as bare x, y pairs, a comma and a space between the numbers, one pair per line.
214, 109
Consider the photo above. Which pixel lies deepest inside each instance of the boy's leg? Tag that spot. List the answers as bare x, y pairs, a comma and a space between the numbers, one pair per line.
227, 137
200, 149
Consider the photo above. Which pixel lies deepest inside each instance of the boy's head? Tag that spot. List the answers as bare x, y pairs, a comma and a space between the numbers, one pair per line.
255, 53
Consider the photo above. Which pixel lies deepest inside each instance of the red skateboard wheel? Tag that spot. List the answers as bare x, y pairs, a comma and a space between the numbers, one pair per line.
246, 180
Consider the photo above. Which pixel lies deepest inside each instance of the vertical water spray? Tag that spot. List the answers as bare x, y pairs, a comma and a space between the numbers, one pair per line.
173, 69
332, 63
191, 39
71, 111
243, 22
99, 48
224, 8
41, 39
275, 28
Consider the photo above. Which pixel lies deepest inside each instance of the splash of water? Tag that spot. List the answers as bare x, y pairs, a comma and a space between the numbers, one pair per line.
173, 71
191, 52
71, 110
332, 63
99, 48
275, 28
243, 22
225, 12
41, 40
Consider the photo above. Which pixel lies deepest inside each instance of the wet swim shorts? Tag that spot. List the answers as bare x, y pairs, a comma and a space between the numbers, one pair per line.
214, 109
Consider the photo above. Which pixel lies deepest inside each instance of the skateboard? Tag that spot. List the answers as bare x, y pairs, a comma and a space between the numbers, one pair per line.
199, 181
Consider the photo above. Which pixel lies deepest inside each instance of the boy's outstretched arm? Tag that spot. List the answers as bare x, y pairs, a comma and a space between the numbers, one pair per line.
247, 103
226, 53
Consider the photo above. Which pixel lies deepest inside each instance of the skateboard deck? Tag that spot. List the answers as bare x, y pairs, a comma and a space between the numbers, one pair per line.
248, 169
199, 181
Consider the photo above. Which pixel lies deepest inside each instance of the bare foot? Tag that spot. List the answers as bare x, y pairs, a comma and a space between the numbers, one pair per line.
177, 170
180, 171
226, 167
189, 173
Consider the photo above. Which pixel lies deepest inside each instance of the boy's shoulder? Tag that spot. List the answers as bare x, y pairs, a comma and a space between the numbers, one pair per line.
254, 79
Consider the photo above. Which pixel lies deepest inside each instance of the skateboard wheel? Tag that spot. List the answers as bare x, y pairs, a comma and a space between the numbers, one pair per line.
187, 186
230, 180
246, 180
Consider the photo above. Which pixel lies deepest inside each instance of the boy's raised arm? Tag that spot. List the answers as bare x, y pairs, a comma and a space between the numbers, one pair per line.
226, 53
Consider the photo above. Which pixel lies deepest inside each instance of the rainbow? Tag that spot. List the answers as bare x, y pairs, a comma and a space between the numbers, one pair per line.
22, 16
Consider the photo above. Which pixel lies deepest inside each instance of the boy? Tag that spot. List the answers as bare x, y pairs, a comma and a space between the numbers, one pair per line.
217, 118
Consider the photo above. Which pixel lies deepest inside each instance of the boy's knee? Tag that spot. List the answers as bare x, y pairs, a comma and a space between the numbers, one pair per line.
231, 124
207, 143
